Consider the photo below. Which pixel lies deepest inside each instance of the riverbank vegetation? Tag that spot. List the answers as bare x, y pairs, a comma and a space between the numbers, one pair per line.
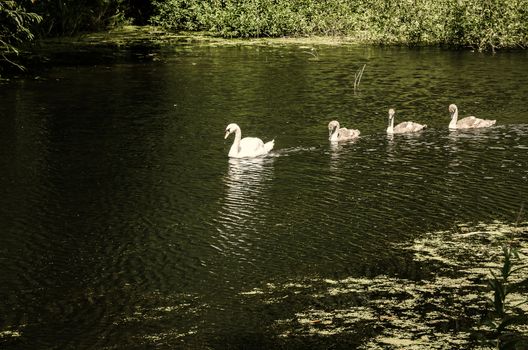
484, 25
25, 21
479, 24
15, 30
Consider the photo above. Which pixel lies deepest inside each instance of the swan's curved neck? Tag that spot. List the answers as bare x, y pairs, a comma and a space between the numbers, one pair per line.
235, 148
334, 134
390, 128
454, 119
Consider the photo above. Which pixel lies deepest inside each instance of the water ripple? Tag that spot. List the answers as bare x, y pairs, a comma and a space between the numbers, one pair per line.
121, 212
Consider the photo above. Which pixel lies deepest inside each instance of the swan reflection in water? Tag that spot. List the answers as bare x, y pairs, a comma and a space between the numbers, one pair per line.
244, 204
335, 149
340, 150
459, 149
390, 146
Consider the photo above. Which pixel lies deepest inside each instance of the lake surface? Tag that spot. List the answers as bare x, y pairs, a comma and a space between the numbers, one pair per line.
123, 223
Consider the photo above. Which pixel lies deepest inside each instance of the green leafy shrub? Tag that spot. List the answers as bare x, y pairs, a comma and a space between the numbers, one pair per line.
68, 17
494, 23
481, 24
15, 28
179, 14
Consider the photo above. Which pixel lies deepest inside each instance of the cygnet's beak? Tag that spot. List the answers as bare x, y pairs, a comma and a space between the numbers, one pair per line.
227, 134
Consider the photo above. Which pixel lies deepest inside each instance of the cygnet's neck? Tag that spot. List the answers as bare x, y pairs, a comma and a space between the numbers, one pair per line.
454, 119
334, 136
334, 132
390, 128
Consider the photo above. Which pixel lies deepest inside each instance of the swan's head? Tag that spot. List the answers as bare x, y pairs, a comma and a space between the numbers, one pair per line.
452, 109
230, 129
391, 113
333, 126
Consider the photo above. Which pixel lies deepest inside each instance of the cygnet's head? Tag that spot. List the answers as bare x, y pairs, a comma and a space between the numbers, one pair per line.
391, 113
332, 126
452, 109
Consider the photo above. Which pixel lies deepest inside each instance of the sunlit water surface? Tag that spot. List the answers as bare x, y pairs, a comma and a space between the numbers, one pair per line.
124, 225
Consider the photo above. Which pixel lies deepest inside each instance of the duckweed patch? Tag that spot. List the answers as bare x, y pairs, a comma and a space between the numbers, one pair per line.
10, 334
443, 312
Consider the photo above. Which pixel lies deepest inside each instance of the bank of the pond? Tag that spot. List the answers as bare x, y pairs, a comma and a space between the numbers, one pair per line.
135, 43
154, 36
482, 25
140, 43
476, 24
143, 43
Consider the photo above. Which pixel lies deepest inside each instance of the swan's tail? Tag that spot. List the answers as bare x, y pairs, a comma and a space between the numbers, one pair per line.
268, 146
425, 126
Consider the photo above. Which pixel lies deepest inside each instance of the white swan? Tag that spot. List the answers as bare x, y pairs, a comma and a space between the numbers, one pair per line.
248, 146
335, 133
403, 127
468, 122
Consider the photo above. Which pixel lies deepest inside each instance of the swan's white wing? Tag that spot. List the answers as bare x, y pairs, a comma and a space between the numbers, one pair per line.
268, 146
251, 147
251, 143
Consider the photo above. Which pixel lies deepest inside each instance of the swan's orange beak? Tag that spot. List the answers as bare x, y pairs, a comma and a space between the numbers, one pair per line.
227, 134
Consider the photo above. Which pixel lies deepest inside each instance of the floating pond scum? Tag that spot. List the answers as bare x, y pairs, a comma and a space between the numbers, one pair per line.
445, 310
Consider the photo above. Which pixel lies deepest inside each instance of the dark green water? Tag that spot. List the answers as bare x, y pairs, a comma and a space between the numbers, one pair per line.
124, 225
